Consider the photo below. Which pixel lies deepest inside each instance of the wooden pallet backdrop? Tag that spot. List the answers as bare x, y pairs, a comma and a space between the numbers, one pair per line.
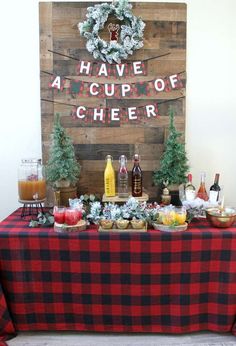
165, 32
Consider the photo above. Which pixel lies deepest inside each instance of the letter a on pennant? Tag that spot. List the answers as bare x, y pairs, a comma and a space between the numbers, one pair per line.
56, 83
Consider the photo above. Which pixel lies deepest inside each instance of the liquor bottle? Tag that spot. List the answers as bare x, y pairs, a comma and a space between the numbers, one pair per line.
136, 177
202, 188
109, 178
123, 184
190, 191
215, 189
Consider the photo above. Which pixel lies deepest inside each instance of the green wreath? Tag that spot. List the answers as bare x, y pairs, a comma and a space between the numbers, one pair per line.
131, 34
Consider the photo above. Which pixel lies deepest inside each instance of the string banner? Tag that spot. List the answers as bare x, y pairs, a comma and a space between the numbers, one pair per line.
99, 69
119, 91
111, 115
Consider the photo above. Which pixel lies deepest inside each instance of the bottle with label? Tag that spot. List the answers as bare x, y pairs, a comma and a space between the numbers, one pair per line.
109, 178
136, 177
215, 190
123, 184
190, 191
202, 193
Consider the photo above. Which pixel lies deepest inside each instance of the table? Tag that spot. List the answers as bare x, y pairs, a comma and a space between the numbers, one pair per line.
139, 282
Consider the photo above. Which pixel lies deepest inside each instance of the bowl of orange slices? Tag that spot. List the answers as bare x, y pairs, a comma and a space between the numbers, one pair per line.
171, 219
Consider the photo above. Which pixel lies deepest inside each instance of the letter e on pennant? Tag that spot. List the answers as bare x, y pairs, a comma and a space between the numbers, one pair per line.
132, 113
137, 68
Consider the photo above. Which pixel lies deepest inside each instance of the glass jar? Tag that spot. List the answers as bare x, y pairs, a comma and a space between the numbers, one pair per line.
31, 180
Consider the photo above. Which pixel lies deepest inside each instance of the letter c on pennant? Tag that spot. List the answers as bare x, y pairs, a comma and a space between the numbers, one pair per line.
80, 108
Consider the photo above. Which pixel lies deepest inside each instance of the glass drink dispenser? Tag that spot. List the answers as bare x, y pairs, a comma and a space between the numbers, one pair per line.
31, 180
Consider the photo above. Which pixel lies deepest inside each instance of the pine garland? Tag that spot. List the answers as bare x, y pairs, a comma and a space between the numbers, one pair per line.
173, 164
131, 35
62, 163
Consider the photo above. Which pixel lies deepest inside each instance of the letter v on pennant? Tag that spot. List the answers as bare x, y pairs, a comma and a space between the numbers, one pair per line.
120, 69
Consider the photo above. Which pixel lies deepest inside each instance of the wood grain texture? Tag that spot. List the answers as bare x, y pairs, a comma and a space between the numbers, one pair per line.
165, 33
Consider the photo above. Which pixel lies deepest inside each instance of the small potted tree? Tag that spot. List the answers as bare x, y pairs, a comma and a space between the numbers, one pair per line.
62, 169
173, 164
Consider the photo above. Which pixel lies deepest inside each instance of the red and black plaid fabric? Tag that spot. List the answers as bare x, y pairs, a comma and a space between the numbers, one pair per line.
124, 282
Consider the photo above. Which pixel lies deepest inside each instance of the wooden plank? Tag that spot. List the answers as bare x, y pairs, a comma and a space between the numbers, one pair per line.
68, 122
156, 69
46, 63
161, 11
100, 151
147, 152
99, 164
117, 199
116, 135
84, 100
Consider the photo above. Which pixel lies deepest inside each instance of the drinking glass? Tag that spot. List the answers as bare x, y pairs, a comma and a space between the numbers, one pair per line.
71, 216
59, 214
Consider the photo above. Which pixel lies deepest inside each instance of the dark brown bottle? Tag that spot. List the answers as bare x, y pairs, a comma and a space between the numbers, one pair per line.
136, 177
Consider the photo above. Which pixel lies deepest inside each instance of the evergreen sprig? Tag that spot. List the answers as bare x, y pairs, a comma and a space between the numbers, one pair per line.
62, 163
173, 163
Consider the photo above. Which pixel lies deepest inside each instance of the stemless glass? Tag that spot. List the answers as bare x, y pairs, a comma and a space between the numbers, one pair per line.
180, 215
71, 216
59, 214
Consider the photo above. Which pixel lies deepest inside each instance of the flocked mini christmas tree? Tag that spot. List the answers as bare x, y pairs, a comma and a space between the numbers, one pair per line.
173, 164
62, 164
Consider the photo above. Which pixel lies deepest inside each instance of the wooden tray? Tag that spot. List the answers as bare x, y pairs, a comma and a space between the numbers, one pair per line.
62, 228
120, 230
164, 228
117, 199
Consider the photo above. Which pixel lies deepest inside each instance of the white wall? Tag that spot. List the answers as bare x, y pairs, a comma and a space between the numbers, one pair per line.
211, 104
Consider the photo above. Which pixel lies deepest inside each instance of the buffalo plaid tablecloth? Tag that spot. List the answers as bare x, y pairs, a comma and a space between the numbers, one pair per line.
139, 282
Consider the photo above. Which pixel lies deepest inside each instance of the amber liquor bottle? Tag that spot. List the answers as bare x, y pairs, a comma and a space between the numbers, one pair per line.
136, 177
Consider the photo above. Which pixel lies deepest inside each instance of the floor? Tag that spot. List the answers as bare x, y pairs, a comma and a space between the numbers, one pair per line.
95, 339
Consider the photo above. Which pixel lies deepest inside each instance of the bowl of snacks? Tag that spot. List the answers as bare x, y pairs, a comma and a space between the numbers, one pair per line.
221, 217
106, 224
122, 223
137, 223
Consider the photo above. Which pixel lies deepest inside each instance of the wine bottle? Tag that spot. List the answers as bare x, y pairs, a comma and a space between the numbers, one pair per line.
190, 190
136, 178
202, 193
215, 189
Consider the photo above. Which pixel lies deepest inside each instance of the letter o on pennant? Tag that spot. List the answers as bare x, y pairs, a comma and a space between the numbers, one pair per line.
159, 84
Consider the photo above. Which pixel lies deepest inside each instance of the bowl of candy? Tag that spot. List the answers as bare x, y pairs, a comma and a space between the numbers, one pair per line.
221, 217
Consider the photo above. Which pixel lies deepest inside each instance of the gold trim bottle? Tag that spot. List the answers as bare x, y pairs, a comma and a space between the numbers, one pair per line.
109, 178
